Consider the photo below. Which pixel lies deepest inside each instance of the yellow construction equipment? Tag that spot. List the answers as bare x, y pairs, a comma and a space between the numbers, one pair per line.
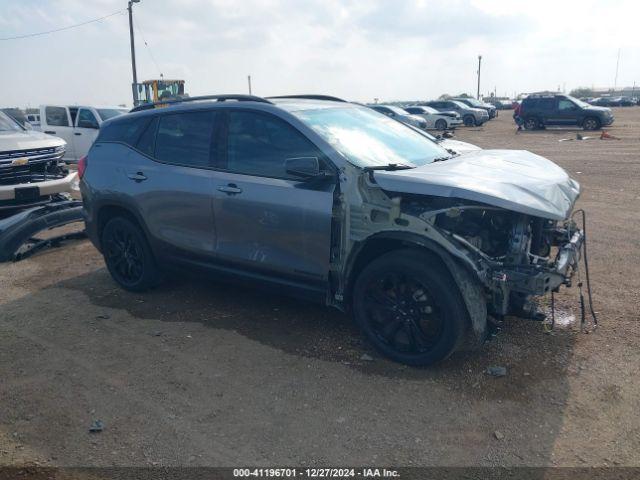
151, 91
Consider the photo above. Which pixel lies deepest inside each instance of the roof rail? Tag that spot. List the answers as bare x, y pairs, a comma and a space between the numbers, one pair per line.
219, 98
313, 97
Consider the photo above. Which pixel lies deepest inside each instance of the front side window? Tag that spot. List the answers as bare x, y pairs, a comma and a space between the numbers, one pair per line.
259, 144
566, 105
185, 138
366, 138
86, 119
56, 116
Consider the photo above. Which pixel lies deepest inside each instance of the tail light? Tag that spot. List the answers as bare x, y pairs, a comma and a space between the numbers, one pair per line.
82, 166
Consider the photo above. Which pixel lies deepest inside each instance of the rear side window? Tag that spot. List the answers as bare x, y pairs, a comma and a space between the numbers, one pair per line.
259, 144
546, 104
147, 142
185, 138
56, 116
125, 131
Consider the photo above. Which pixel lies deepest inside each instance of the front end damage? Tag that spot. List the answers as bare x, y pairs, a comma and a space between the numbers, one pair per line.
501, 258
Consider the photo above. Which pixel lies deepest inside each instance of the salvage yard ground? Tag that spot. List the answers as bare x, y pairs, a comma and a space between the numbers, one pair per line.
199, 373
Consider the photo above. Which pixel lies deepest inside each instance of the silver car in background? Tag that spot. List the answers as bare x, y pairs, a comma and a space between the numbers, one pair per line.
470, 116
435, 120
401, 115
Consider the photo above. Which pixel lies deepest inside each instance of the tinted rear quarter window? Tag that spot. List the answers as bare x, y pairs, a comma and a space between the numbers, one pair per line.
124, 131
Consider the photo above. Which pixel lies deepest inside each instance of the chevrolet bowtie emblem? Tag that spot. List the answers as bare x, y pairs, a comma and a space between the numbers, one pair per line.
19, 161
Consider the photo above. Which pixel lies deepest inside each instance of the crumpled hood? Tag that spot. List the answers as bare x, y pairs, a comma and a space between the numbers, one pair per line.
515, 180
26, 140
458, 146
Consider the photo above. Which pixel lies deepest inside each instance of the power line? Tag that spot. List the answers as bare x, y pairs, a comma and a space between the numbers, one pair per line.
61, 29
153, 59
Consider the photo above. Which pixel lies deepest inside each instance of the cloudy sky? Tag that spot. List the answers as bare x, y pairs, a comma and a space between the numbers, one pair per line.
356, 49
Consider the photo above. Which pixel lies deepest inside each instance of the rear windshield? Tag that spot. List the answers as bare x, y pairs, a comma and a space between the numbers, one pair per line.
107, 113
367, 138
124, 131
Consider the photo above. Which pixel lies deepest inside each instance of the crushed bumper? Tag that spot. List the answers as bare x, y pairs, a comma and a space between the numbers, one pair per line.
21, 228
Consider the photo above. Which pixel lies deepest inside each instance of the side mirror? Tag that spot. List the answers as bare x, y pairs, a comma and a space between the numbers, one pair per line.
304, 167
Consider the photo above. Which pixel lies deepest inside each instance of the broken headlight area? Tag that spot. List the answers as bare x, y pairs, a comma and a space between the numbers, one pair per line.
519, 256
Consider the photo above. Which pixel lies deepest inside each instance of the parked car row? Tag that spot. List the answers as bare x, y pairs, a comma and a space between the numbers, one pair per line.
441, 114
613, 101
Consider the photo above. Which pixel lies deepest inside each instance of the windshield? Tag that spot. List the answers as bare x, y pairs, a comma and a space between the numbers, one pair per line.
578, 102
367, 139
7, 124
107, 113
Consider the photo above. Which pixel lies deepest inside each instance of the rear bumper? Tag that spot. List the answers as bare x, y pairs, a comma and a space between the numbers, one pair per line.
47, 187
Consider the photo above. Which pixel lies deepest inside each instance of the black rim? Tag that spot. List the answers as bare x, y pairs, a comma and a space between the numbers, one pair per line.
403, 314
531, 124
124, 255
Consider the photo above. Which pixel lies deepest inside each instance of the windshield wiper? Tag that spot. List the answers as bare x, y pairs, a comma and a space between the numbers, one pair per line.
442, 159
389, 167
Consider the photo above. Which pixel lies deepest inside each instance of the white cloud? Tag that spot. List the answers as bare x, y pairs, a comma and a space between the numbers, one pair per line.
354, 49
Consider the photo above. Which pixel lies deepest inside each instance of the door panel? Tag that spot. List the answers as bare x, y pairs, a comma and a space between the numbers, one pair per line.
273, 224
174, 190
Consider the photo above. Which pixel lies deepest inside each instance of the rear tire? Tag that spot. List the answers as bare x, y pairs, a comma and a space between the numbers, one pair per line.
128, 256
591, 123
469, 121
531, 123
410, 308
441, 124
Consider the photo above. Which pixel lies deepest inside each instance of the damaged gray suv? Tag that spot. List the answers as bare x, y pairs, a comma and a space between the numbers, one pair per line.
334, 202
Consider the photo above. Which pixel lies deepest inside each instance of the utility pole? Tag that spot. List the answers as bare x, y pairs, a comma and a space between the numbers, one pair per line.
615, 82
134, 85
249, 81
479, 65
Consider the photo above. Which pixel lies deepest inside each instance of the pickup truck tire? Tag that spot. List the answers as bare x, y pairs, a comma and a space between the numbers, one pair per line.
591, 123
410, 308
128, 256
441, 124
469, 121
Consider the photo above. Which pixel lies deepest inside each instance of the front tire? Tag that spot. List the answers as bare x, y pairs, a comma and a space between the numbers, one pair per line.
128, 256
410, 308
469, 121
441, 124
591, 123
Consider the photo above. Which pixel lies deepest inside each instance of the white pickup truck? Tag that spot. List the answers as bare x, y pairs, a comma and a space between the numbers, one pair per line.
77, 125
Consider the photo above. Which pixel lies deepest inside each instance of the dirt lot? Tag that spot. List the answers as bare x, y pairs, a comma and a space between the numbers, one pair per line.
199, 373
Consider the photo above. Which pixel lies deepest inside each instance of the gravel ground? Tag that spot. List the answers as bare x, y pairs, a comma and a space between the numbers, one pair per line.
200, 373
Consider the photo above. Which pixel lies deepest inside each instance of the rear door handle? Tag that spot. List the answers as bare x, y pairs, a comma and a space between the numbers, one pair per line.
50, 132
77, 133
231, 189
137, 177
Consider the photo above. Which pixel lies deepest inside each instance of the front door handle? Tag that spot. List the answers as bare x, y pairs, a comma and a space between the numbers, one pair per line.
231, 189
137, 177
77, 133
50, 132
